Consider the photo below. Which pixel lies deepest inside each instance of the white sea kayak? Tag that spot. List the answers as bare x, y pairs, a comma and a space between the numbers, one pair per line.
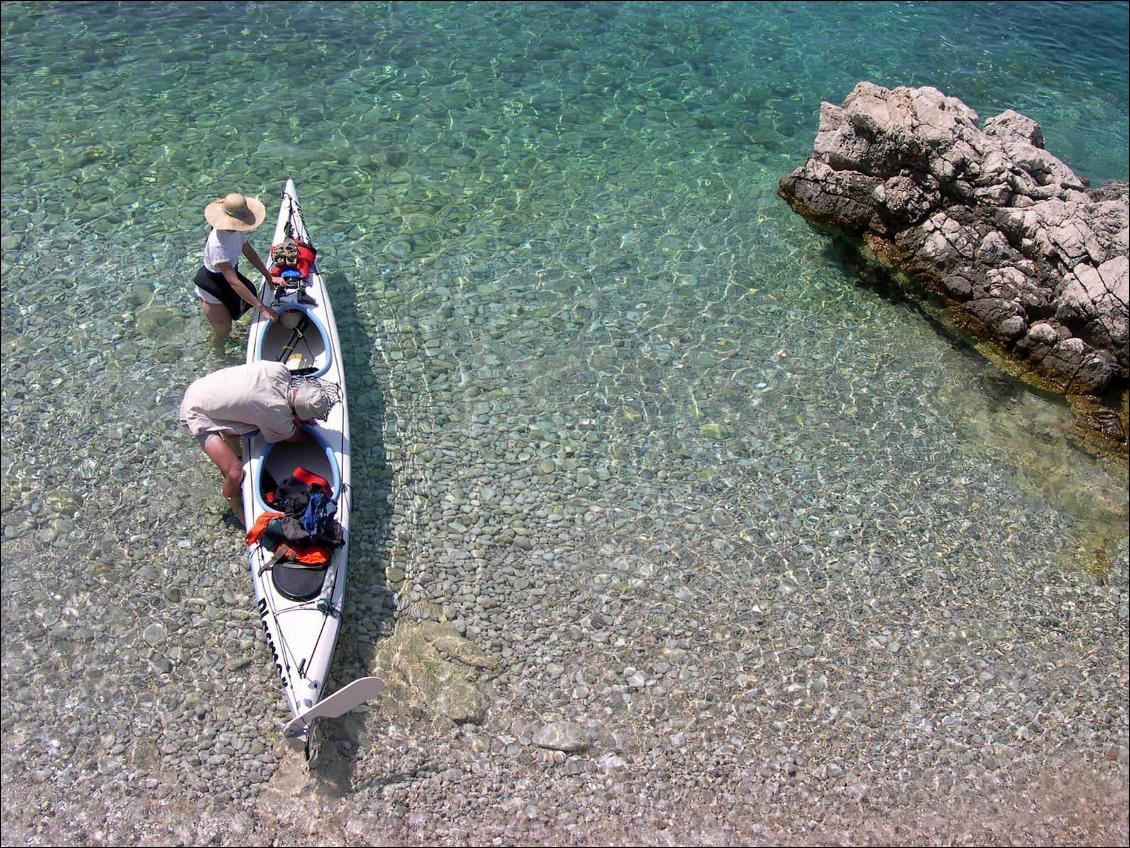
300, 606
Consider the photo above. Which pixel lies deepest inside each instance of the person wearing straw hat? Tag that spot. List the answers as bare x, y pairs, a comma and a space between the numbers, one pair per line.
262, 397
224, 293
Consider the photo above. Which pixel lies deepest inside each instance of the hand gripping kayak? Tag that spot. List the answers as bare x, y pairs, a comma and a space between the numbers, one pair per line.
337, 704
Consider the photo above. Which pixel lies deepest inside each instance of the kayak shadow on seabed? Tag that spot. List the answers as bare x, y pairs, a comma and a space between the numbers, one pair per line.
369, 605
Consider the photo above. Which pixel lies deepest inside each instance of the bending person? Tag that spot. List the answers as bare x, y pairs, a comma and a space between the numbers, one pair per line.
259, 397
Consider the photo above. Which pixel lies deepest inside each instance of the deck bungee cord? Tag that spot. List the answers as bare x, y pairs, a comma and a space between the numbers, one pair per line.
316, 605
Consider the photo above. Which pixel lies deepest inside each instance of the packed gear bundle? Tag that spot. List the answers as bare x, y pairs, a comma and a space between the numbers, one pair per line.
301, 535
293, 260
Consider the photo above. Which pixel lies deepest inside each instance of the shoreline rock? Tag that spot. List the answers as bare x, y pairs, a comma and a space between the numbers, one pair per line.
1014, 243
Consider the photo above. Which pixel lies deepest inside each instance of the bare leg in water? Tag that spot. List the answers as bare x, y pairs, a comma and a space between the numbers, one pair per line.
220, 452
219, 319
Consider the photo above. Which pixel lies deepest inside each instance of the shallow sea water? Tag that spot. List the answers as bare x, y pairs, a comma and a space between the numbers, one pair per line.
597, 368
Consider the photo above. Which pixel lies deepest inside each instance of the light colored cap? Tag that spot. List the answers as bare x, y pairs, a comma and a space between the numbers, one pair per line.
311, 403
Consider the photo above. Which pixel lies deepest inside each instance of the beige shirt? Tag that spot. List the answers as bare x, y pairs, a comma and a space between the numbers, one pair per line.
241, 400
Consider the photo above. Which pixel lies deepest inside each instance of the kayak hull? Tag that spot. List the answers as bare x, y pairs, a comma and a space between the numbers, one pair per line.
301, 635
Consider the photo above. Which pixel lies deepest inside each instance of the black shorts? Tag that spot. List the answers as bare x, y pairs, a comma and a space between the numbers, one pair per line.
217, 285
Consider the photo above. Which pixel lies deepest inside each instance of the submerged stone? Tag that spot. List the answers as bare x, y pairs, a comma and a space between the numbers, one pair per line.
430, 669
160, 323
561, 736
714, 430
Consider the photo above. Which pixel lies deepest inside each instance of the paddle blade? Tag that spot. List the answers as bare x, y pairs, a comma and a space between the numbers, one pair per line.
337, 704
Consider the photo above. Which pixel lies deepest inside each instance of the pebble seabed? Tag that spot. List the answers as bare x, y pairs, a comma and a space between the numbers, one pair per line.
665, 530
759, 631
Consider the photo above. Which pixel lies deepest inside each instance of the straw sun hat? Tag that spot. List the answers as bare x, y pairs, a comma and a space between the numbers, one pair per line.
235, 212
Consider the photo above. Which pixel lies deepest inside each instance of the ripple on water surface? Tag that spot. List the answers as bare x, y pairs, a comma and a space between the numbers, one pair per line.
620, 418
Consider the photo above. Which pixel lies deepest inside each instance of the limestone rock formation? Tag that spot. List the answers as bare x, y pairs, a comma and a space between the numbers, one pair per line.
1020, 249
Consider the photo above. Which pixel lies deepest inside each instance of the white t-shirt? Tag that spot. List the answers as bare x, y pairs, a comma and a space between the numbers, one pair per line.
241, 400
223, 246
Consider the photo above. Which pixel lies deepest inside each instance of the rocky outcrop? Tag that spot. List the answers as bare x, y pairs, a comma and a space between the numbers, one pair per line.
431, 671
1019, 248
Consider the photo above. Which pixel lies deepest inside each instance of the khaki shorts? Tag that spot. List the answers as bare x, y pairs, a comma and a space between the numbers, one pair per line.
233, 442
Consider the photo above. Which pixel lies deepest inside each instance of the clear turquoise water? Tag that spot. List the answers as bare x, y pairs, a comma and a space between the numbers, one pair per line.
584, 165
553, 236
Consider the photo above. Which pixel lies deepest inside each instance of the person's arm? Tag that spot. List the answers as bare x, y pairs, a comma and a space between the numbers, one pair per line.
300, 433
237, 285
274, 424
253, 257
